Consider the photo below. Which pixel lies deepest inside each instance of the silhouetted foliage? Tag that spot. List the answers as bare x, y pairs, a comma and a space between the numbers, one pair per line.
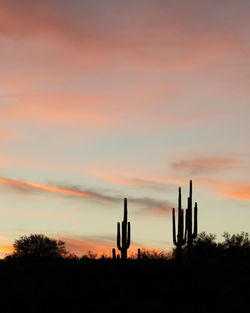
39, 246
89, 256
152, 255
72, 284
205, 245
236, 245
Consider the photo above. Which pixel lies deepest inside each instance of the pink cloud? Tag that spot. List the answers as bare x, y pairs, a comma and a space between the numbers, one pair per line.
206, 164
4, 135
226, 188
146, 205
161, 38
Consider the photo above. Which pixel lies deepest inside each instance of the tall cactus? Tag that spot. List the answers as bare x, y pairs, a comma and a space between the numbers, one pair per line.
191, 235
180, 240
124, 244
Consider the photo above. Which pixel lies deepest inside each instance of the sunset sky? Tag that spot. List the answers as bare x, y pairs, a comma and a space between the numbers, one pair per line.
102, 100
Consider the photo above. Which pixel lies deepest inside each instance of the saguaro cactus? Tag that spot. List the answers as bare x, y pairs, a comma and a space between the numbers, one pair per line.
124, 244
180, 240
191, 235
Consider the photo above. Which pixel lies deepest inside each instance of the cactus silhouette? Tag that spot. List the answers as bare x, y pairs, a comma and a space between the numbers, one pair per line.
113, 254
180, 240
191, 235
124, 244
139, 254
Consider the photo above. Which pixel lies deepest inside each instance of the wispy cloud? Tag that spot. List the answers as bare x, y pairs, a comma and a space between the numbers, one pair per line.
239, 192
73, 191
145, 205
7, 136
229, 188
205, 165
153, 207
129, 180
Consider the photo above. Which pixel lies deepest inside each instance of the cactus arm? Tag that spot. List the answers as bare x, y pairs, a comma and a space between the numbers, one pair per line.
174, 230
194, 235
179, 199
118, 237
125, 219
180, 221
190, 190
128, 239
183, 237
113, 254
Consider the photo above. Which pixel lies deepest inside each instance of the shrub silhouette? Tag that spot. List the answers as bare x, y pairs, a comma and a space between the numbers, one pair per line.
205, 245
39, 246
89, 256
236, 245
152, 255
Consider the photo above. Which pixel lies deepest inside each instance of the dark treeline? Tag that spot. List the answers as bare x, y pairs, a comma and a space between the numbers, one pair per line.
201, 275
216, 278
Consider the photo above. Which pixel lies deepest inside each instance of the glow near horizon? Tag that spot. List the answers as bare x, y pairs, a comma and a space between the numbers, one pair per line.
122, 99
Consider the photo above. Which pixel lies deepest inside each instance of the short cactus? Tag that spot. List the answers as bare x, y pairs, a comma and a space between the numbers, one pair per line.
139, 254
113, 254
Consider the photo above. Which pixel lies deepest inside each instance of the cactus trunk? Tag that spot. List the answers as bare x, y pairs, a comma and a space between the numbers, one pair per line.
124, 242
180, 240
191, 235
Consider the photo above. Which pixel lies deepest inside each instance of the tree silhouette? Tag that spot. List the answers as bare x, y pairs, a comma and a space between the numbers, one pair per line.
205, 245
39, 246
236, 245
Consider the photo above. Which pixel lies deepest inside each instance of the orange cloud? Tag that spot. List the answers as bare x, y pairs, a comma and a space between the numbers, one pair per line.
6, 136
97, 110
133, 177
131, 181
26, 186
229, 188
239, 193
145, 205
5, 250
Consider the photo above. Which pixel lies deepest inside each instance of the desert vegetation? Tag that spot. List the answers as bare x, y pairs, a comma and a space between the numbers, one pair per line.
201, 274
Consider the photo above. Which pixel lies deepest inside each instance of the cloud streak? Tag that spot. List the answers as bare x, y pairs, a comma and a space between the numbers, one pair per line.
229, 188
206, 165
23, 186
152, 206
145, 205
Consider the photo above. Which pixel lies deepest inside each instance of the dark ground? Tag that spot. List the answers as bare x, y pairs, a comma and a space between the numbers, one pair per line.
103, 285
